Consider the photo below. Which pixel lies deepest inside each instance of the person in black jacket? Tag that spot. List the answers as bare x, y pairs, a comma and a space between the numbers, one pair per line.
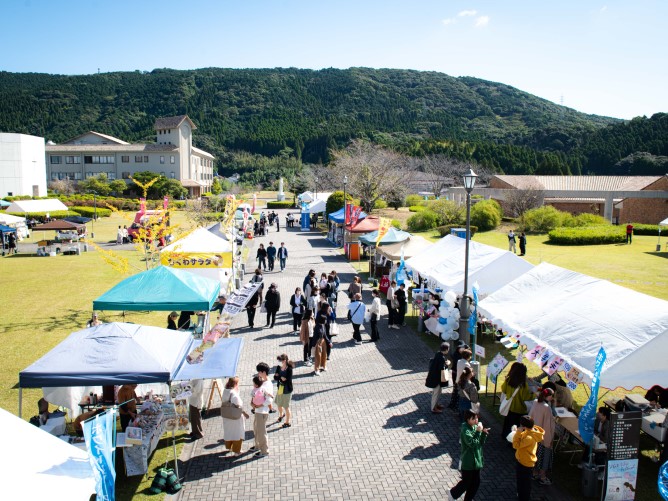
320, 341
251, 306
297, 306
272, 304
262, 257
437, 366
283, 378
400, 294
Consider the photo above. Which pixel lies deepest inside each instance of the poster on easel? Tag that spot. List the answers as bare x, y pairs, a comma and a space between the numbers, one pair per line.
176, 416
495, 367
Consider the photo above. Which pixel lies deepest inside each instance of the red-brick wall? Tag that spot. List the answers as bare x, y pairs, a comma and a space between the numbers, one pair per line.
646, 210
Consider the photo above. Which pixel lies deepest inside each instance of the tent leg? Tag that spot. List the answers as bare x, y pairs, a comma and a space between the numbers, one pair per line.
176, 459
20, 402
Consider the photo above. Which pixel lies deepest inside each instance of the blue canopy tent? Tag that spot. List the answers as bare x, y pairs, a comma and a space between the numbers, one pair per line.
4, 203
4, 231
337, 216
393, 236
161, 289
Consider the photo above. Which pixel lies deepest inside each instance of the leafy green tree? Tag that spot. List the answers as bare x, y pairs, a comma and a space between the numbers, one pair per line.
335, 201
541, 219
216, 188
118, 186
448, 212
98, 184
486, 215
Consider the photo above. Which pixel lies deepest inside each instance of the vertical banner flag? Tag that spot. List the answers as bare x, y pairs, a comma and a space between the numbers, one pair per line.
383, 227
99, 434
355, 212
473, 318
142, 205
588, 412
348, 213
165, 203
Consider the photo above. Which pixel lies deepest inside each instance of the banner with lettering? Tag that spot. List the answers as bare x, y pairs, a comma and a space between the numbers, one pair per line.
383, 227
236, 302
196, 259
100, 435
588, 413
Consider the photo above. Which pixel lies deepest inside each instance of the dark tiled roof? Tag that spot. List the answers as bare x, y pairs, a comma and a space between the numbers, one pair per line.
172, 122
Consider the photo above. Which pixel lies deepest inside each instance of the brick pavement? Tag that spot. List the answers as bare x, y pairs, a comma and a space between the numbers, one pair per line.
362, 430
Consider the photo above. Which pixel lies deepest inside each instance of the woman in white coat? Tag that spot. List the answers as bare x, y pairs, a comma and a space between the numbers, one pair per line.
234, 430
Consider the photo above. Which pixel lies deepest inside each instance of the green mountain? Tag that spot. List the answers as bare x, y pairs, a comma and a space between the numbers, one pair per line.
264, 111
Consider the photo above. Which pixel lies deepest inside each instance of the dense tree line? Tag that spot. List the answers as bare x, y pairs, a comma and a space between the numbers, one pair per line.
269, 111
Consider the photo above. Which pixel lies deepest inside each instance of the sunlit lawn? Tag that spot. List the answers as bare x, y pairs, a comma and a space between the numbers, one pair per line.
47, 298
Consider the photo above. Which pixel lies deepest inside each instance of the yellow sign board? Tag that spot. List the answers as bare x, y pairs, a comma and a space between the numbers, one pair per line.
196, 259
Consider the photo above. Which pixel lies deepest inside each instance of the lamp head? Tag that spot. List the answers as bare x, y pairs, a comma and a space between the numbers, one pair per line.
469, 180
345, 179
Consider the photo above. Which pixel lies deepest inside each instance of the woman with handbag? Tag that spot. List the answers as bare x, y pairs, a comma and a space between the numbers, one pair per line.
356, 312
283, 378
326, 312
319, 344
234, 417
468, 393
516, 390
298, 305
438, 376
306, 336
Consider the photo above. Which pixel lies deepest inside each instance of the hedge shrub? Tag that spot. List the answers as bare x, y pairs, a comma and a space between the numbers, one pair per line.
41, 216
541, 220
413, 200
380, 204
91, 211
646, 229
285, 204
445, 230
417, 208
591, 235
396, 223
486, 215
422, 221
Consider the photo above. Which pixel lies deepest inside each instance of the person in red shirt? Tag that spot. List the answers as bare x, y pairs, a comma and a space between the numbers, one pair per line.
629, 233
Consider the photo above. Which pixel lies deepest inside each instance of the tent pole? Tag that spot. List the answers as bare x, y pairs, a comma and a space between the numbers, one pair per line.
176, 460
20, 401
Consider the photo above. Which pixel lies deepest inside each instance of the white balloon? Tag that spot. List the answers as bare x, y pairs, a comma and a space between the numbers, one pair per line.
454, 336
444, 312
451, 296
456, 314
455, 326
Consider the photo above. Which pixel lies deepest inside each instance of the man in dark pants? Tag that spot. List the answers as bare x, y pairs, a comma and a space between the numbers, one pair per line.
278, 224
401, 298
252, 306
271, 255
283, 255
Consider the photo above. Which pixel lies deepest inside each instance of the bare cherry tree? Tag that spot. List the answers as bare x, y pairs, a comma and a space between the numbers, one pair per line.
373, 172
441, 171
517, 202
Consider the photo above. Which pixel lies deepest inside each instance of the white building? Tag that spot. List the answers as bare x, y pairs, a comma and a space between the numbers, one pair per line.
22, 168
172, 156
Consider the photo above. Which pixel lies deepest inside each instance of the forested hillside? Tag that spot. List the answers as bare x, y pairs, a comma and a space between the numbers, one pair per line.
306, 113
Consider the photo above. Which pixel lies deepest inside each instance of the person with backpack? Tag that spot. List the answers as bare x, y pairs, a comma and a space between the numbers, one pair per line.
437, 376
356, 312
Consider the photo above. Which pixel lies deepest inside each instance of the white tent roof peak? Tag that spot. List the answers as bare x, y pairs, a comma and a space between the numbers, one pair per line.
200, 240
46, 205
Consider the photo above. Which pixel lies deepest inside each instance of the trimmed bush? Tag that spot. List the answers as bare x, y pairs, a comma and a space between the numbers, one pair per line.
591, 235
380, 204
91, 211
285, 204
417, 208
541, 220
41, 216
335, 201
396, 223
445, 230
486, 215
646, 229
413, 200
422, 221
586, 219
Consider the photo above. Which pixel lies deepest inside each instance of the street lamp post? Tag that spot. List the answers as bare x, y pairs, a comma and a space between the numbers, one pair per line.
345, 211
464, 304
316, 188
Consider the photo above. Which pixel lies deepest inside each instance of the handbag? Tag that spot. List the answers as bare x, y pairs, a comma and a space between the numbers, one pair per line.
228, 410
504, 407
475, 406
394, 303
333, 329
263, 308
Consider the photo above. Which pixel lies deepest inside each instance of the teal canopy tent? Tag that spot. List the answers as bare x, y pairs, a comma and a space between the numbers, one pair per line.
393, 236
161, 289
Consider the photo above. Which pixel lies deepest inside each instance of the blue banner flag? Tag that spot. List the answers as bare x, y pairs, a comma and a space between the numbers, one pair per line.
473, 318
99, 433
588, 413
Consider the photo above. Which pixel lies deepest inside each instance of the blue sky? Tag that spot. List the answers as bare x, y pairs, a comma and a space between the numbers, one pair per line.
602, 57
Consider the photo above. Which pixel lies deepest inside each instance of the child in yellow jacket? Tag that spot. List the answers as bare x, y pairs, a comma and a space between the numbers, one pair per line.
525, 442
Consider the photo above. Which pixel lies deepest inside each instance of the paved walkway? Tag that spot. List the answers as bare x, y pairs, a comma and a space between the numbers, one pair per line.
362, 430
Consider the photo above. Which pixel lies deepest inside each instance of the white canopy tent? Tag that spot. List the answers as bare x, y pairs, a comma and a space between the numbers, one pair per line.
46, 205
317, 206
15, 222
414, 245
41, 465
310, 196
442, 265
573, 315
202, 243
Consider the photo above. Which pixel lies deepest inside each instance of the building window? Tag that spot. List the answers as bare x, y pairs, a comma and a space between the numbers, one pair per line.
145, 159
125, 159
172, 175
54, 176
111, 176
56, 159
98, 159
139, 159
126, 175
162, 159
72, 160
162, 173
77, 176
89, 174
172, 159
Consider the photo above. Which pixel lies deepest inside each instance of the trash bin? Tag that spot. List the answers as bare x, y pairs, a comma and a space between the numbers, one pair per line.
589, 480
85, 246
658, 247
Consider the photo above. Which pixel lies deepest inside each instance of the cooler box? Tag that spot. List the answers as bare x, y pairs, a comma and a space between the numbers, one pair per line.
635, 402
653, 425
458, 232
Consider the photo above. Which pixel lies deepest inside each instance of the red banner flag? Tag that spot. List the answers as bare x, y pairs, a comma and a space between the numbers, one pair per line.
355, 215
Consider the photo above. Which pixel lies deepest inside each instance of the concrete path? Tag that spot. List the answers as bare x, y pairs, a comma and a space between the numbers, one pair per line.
362, 430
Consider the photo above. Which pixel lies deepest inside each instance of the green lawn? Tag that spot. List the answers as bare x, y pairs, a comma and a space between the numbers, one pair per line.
47, 298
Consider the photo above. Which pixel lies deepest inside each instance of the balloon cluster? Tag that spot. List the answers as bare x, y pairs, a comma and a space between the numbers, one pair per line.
448, 318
